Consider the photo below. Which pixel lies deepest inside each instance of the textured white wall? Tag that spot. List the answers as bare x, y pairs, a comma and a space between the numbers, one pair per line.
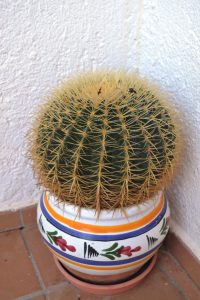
170, 55
43, 42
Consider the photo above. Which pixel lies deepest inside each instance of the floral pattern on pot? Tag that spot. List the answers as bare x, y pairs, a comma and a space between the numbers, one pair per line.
165, 226
125, 245
114, 251
58, 240
54, 238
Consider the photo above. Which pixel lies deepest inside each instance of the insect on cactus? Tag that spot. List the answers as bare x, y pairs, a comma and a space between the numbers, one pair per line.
104, 140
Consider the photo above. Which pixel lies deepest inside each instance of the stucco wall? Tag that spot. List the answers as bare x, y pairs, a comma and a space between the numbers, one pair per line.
43, 42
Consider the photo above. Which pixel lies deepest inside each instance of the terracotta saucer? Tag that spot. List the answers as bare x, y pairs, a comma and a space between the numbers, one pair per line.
108, 289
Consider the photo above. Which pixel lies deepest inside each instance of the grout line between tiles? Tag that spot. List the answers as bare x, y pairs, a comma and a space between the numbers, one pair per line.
46, 291
37, 272
54, 287
174, 283
11, 229
35, 267
182, 268
34, 264
31, 296
42, 293
58, 285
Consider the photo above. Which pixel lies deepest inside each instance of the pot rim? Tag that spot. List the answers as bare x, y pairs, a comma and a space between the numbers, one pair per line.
87, 214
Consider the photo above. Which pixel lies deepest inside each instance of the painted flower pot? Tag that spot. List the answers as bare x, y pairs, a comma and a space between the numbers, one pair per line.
112, 246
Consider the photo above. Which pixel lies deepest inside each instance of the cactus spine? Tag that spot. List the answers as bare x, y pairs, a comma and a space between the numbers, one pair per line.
104, 140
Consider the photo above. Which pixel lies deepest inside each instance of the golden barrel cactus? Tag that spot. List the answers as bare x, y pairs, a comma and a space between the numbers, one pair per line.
104, 140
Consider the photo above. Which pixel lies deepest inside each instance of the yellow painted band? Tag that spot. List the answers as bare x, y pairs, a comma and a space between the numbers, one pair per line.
105, 229
143, 260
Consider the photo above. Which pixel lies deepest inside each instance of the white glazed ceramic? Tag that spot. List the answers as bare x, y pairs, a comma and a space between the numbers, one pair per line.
113, 243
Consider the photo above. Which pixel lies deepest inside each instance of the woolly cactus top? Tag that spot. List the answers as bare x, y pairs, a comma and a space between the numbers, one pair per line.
104, 140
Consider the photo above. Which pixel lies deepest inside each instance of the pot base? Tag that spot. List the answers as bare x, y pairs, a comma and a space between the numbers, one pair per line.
102, 279
108, 289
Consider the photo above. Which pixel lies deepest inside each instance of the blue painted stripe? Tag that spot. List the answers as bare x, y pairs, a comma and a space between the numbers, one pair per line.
101, 263
103, 237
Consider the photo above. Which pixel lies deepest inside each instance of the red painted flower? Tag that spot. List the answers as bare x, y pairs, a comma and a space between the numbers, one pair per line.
60, 242
71, 248
63, 244
128, 251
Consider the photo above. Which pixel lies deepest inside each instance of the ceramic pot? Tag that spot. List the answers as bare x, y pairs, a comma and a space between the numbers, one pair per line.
112, 246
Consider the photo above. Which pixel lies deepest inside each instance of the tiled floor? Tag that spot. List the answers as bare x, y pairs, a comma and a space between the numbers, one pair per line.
27, 270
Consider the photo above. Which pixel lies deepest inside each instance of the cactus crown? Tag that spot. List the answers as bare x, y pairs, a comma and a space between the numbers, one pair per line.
104, 140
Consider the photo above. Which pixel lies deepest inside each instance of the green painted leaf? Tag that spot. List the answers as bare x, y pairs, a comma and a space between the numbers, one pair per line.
52, 232
50, 240
115, 253
108, 256
163, 225
115, 245
163, 229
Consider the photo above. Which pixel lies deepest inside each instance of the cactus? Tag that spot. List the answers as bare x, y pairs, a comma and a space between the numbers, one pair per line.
104, 140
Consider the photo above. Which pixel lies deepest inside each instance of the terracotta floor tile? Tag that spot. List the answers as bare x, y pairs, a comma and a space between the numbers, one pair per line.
17, 274
29, 215
39, 298
178, 275
43, 257
65, 292
86, 296
9, 220
154, 287
184, 257
169, 280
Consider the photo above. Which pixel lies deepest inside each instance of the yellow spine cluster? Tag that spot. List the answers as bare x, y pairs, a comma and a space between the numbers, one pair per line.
105, 140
